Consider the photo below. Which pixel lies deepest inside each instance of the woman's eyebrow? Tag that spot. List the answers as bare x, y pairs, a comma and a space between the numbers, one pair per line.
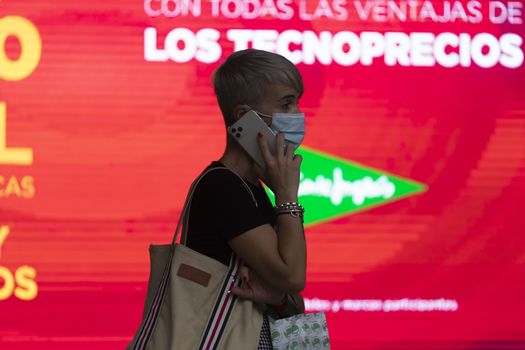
287, 97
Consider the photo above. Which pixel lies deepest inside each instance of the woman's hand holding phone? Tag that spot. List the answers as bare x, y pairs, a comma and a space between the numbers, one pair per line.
282, 169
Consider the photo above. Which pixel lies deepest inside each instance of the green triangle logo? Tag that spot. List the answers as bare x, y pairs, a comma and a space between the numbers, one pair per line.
331, 187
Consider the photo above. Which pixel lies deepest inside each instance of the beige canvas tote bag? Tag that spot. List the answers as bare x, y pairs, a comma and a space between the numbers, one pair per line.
187, 305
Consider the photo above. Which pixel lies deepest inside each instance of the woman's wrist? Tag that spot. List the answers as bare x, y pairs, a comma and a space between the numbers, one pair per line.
282, 306
285, 198
280, 301
292, 208
279, 202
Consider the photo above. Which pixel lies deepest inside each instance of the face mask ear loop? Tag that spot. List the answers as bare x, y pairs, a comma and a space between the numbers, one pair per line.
263, 115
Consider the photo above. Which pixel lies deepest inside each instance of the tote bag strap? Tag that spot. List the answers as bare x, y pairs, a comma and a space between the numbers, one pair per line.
185, 214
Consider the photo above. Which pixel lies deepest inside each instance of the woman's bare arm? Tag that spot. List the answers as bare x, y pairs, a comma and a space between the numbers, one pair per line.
279, 257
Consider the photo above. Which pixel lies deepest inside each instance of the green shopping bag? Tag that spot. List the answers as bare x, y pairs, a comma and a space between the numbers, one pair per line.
300, 332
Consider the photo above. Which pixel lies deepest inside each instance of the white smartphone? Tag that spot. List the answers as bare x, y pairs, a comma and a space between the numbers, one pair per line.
245, 131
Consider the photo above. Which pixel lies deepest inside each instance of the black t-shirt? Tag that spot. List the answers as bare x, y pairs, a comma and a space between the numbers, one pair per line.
221, 209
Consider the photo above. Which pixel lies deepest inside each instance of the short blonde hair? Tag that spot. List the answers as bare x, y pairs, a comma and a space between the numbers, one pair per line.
246, 77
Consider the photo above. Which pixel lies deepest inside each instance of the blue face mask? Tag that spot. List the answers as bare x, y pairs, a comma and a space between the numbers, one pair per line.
290, 124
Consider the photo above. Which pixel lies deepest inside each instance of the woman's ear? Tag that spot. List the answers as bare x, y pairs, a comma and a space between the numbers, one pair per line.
239, 111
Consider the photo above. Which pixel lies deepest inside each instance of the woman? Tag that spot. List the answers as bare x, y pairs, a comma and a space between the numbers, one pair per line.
224, 218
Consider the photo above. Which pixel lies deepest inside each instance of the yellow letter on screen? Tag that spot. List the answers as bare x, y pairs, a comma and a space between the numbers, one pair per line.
30, 48
13, 155
4, 231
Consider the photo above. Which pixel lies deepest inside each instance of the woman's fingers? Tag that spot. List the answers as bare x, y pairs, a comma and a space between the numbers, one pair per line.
265, 152
289, 153
268, 157
282, 168
244, 290
246, 293
297, 159
244, 274
280, 146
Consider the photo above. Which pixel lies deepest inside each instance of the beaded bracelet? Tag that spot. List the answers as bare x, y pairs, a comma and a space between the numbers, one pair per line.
294, 209
289, 205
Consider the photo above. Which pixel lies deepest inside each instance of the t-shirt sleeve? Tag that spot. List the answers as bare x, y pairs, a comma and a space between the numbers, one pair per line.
234, 210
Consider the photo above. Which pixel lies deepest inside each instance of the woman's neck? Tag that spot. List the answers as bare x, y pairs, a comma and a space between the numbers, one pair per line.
234, 158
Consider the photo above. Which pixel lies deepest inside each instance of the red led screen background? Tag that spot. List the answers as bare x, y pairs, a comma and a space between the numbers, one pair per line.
101, 135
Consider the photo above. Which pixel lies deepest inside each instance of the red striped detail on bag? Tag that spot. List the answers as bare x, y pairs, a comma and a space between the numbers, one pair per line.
149, 324
218, 319
221, 311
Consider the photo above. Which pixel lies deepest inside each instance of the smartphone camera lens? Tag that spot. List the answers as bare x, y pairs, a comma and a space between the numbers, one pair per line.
240, 129
234, 130
238, 135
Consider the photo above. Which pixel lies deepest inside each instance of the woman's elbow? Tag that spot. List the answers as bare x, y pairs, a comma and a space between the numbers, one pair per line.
288, 281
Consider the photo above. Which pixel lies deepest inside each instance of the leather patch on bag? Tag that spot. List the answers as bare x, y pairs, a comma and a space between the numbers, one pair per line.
194, 274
